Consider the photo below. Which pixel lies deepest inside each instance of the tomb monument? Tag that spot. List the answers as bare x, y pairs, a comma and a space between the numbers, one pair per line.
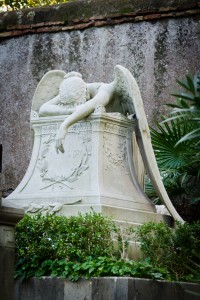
90, 141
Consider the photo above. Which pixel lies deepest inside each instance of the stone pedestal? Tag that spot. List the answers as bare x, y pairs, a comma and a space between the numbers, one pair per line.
8, 219
95, 172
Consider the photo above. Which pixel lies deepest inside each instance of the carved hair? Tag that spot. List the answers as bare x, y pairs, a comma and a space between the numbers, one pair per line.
73, 90
73, 74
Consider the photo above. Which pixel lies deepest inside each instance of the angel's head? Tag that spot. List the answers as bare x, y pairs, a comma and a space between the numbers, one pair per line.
73, 90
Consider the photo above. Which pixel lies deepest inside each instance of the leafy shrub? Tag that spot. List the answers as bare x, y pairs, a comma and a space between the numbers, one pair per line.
75, 247
49, 237
82, 246
169, 248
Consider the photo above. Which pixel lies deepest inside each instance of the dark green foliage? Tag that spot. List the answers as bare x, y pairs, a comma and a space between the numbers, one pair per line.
100, 267
177, 149
75, 247
194, 269
187, 108
169, 152
172, 249
42, 238
82, 247
179, 164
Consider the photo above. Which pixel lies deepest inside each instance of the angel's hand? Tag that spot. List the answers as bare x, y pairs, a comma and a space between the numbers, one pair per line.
60, 137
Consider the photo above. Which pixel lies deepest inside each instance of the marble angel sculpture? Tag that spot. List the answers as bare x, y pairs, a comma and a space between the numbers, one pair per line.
78, 100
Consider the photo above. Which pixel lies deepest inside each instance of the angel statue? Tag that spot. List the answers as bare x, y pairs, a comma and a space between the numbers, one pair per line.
78, 100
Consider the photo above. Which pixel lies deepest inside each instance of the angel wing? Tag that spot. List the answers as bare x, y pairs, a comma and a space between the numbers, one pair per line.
128, 90
47, 88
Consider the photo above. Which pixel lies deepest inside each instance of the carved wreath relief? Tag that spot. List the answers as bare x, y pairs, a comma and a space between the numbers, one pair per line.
59, 171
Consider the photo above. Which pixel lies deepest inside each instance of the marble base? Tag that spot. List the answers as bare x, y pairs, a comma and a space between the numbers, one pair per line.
96, 171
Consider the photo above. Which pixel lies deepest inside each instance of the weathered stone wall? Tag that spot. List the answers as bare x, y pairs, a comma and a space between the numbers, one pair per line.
157, 41
113, 288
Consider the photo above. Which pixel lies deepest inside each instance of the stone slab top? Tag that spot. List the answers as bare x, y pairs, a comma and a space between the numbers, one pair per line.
10, 216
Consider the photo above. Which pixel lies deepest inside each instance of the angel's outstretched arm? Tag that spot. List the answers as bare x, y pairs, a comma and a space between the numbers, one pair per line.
103, 97
51, 108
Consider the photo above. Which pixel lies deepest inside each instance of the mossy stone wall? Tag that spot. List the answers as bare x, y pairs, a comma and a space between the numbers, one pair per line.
158, 41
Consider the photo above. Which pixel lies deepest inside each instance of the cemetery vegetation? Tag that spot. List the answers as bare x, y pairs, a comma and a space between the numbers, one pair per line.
176, 143
176, 250
82, 247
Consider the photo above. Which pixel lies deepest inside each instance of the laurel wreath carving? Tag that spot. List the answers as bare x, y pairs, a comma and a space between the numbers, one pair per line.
62, 179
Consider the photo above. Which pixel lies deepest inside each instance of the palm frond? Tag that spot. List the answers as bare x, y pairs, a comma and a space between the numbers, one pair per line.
195, 134
176, 143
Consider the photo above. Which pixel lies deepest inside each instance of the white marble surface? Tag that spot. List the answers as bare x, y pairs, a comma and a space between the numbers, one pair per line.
93, 171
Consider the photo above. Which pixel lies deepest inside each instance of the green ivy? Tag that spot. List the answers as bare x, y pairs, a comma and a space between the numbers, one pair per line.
100, 267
